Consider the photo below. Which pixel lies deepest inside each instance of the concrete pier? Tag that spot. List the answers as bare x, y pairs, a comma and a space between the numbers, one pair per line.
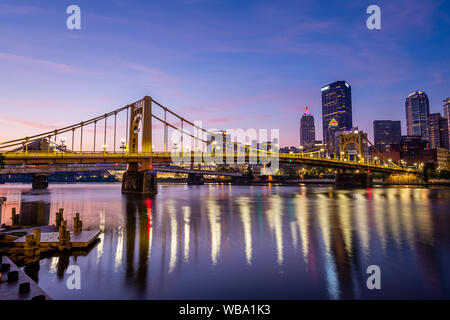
140, 182
40, 181
242, 180
195, 179
2, 200
363, 180
16, 285
49, 240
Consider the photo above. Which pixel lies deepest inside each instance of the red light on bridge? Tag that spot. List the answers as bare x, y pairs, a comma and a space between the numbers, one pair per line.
150, 166
116, 164
368, 171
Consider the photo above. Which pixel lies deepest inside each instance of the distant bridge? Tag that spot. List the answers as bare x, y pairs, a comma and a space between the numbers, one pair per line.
49, 169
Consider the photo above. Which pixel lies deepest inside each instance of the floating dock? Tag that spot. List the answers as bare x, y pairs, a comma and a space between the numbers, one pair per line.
82, 239
16, 285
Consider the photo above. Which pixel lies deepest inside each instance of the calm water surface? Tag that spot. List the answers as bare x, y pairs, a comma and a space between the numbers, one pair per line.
232, 242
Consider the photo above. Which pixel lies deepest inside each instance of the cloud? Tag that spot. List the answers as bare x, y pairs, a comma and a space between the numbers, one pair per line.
40, 63
15, 9
439, 72
152, 75
235, 119
32, 124
404, 14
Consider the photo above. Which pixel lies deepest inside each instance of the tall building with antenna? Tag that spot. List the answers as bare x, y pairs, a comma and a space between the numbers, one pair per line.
307, 130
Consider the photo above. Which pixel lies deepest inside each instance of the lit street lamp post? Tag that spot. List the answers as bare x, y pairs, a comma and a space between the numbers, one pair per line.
122, 145
62, 146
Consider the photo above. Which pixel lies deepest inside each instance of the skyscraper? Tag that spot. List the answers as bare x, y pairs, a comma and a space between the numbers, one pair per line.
336, 109
417, 110
447, 114
307, 130
438, 131
386, 132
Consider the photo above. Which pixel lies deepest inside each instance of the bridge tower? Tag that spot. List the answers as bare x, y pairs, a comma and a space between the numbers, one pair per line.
355, 138
140, 177
347, 178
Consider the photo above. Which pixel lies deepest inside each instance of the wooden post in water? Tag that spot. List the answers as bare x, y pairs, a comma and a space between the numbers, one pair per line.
59, 217
64, 237
77, 223
15, 218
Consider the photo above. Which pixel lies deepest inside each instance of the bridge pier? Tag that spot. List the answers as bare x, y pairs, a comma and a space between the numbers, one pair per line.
2, 178
140, 182
363, 180
40, 181
242, 180
195, 179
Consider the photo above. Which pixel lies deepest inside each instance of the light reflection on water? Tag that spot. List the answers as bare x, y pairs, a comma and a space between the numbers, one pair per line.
222, 241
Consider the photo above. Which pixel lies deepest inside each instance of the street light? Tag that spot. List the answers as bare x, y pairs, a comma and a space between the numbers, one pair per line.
122, 145
62, 140
104, 148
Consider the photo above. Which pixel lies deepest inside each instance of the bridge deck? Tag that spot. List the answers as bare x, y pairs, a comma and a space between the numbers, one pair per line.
161, 157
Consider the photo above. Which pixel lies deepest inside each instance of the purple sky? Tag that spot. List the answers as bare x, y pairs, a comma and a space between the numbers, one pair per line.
231, 64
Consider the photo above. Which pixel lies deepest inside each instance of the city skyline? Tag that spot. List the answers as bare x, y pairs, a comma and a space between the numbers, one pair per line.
262, 78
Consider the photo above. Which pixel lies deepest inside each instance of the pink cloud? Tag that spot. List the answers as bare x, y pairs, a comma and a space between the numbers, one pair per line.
41, 63
234, 119
32, 124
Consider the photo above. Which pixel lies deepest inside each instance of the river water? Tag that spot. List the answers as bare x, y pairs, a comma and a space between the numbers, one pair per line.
240, 242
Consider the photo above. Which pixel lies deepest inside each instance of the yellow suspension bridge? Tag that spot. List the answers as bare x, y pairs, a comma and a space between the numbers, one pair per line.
137, 148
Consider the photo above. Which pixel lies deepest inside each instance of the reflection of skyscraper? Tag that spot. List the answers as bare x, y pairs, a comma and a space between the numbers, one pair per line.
438, 131
336, 109
307, 129
386, 132
417, 110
